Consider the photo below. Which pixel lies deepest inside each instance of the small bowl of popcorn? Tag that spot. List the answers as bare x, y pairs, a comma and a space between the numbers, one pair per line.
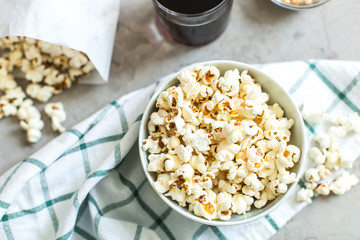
222, 143
299, 4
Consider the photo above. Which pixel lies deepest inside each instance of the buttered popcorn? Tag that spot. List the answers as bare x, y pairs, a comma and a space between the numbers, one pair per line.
216, 146
48, 68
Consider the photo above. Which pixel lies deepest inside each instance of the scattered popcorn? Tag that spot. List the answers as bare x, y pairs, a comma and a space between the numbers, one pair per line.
215, 145
48, 68
331, 174
57, 114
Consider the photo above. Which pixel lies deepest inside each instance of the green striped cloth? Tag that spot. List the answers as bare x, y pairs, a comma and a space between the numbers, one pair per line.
88, 182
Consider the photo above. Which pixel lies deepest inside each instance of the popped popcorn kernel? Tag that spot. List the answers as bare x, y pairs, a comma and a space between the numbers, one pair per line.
57, 114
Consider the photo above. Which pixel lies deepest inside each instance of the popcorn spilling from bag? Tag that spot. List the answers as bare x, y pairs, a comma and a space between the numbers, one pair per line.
217, 147
331, 172
48, 69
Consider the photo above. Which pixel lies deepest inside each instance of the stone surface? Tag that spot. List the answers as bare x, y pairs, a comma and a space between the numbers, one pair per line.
259, 32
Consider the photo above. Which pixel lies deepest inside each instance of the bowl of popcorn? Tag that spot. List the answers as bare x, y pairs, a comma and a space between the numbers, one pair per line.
299, 4
221, 143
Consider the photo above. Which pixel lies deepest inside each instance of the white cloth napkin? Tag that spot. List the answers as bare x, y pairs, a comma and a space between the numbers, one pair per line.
88, 182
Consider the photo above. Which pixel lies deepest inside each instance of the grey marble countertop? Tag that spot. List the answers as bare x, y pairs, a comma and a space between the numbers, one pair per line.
259, 32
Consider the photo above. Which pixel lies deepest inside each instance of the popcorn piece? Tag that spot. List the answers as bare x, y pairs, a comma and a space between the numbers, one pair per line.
175, 97
277, 110
312, 175
246, 78
232, 133
198, 140
324, 173
311, 185
323, 189
277, 187
188, 75
156, 162
225, 205
287, 177
346, 160
185, 170
171, 143
316, 155
350, 123
228, 187
151, 144
171, 163
4, 66
14, 96
253, 92
191, 90
7, 109
229, 84
178, 195
30, 121
184, 153
207, 183
7, 82
337, 132
43, 94
205, 206
252, 181
158, 118
323, 139
311, 114
305, 195
240, 204
199, 163
333, 159
78, 60
262, 201
57, 114
162, 183
343, 183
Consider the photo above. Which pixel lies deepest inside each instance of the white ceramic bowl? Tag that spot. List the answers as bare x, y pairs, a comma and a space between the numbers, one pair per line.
278, 95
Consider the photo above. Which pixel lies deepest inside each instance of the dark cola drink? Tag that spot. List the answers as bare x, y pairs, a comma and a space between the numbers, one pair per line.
193, 22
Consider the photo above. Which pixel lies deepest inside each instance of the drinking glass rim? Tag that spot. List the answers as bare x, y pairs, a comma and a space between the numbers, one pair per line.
191, 15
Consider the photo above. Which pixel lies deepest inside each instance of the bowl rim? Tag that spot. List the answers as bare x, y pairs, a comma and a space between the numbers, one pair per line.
298, 7
183, 211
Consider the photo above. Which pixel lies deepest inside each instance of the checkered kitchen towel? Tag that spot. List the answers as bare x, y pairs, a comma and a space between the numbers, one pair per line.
88, 182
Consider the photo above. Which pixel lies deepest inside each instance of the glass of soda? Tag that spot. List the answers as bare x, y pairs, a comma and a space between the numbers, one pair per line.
192, 22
